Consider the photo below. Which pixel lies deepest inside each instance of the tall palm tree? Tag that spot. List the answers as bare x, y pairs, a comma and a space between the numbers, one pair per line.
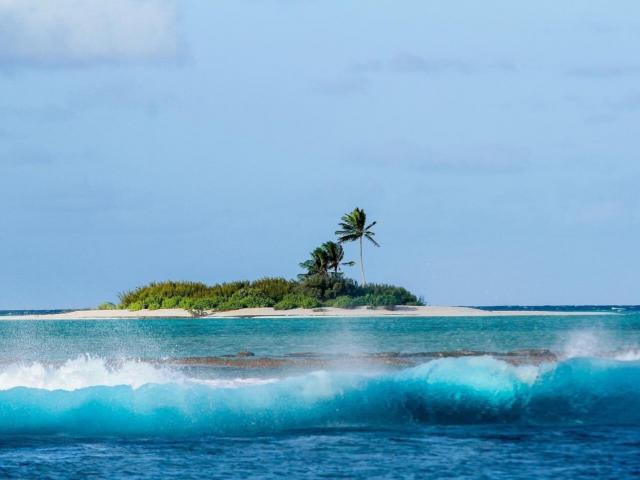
353, 227
334, 254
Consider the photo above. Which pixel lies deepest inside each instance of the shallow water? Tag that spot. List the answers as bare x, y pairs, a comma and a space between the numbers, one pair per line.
511, 397
179, 338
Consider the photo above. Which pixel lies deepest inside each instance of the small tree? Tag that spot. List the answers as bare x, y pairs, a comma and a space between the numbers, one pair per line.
334, 254
318, 264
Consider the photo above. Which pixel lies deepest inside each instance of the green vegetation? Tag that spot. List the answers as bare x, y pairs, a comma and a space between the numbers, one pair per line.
107, 306
198, 296
325, 260
297, 300
322, 284
311, 291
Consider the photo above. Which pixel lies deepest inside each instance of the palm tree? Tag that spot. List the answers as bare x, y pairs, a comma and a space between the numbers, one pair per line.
317, 265
354, 227
334, 254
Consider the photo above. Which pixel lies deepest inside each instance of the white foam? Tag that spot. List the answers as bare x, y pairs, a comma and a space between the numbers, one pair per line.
234, 382
628, 356
86, 371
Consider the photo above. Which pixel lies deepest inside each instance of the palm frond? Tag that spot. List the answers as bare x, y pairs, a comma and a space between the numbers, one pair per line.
347, 227
370, 238
348, 238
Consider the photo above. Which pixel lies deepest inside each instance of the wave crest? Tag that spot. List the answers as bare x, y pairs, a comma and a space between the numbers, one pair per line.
142, 399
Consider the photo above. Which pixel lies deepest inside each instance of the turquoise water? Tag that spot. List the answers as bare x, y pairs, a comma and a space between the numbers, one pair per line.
492, 397
162, 338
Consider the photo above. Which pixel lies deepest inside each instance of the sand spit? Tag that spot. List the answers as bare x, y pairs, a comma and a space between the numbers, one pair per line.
400, 311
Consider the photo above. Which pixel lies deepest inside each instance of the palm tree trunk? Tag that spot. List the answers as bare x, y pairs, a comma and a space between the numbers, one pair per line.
364, 280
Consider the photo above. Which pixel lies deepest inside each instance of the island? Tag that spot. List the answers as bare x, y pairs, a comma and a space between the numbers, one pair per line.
320, 286
321, 289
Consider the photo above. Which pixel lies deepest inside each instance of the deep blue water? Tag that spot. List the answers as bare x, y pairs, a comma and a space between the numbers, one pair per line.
483, 397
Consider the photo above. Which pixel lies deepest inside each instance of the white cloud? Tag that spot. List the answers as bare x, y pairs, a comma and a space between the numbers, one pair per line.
78, 32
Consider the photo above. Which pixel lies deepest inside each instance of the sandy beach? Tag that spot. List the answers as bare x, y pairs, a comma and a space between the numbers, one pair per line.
400, 311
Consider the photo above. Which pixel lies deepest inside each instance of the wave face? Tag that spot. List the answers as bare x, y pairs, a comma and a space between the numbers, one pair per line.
90, 397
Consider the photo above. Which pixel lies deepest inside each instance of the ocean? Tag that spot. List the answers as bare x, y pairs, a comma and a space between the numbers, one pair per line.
467, 397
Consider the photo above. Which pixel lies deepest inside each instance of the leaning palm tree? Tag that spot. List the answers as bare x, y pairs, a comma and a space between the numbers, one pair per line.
317, 265
334, 254
354, 227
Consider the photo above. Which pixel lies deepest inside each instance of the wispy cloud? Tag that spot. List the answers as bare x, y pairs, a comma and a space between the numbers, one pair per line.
410, 63
612, 109
110, 96
84, 32
358, 76
605, 71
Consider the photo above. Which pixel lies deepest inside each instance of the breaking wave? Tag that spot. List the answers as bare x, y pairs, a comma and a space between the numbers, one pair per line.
90, 396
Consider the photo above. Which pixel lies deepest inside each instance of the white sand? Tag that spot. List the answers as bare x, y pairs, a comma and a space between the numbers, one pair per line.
97, 314
401, 311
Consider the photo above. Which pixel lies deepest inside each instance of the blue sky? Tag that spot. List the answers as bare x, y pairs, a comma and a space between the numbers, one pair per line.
496, 143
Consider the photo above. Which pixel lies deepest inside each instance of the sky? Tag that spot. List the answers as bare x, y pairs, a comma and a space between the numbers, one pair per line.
496, 144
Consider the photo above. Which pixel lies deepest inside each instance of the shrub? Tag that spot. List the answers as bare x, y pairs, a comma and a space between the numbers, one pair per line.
107, 306
401, 295
369, 300
343, 301
274, 288
162, 290
199, 306
296, 300
156, 293
225, 289
135, 306
210, 303
206, 303
185, 302
152, 302
380, 300
327, 287
171, 302
246, 298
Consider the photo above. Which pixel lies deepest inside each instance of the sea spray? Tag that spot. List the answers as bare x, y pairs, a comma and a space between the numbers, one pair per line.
159, 401
585, 343
596, 343
84, 371
87, 371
